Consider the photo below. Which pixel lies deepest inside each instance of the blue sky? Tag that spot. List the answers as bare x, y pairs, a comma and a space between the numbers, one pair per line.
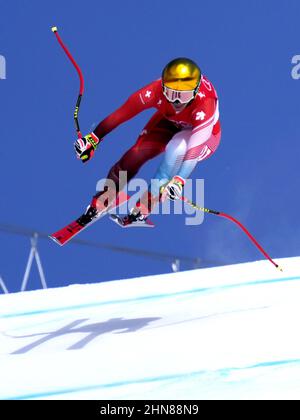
244, 47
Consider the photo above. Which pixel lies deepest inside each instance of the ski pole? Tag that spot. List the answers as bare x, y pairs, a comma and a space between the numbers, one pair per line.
81, 89
227, 216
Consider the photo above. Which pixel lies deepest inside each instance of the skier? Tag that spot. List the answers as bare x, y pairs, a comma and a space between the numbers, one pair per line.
185, 126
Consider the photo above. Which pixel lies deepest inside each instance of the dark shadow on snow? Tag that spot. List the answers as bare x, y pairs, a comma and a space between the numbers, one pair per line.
91, 331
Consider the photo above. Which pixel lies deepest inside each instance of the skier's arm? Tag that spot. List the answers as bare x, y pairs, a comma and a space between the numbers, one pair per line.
142, 99
135, 104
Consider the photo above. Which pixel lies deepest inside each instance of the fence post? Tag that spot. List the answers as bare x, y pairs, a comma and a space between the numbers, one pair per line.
3, 286
33, 254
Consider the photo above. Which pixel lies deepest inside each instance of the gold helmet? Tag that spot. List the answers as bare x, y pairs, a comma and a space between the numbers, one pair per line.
181, 74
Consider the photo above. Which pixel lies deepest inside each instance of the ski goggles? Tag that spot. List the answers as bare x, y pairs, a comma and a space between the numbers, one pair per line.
182, 96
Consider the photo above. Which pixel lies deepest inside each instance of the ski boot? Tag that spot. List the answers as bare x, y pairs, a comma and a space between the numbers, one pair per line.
134, 219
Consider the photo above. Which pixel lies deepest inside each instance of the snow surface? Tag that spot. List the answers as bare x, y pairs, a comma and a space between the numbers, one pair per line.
219, 333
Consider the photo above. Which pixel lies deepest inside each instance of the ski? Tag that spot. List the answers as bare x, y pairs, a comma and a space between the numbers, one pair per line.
64, 235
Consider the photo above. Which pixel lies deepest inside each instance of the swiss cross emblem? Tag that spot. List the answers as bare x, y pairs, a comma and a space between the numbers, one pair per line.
202, 95
148, 94
200, 116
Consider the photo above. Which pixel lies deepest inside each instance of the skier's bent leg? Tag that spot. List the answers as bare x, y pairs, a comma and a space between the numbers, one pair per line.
174, 154
201, 146
149, 144
125, 169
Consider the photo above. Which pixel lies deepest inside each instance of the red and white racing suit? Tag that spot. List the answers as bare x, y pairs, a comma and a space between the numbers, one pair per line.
187, 137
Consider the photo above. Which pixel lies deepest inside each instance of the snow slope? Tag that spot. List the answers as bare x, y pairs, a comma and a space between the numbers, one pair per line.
228, 332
